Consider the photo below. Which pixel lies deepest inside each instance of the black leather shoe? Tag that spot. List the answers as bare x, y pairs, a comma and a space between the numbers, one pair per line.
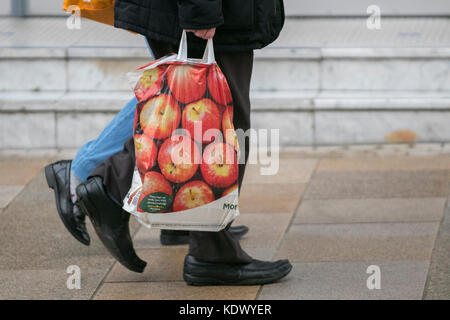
58, 179
177, 237
257, 272
111, 223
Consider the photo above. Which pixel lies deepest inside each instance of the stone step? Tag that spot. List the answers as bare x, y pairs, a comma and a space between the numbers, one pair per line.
325, 54
325, 81
43, 120
275, 69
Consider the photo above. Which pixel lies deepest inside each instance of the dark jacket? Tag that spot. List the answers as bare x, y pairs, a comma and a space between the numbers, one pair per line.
241, 24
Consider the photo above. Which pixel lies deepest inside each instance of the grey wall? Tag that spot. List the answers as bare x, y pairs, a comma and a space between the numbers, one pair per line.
45, 7
5, 7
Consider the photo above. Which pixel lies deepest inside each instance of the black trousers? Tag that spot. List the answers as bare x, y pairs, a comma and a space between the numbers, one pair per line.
117, 171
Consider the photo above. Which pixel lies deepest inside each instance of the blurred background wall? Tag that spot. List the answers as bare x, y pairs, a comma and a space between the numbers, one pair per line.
332, 78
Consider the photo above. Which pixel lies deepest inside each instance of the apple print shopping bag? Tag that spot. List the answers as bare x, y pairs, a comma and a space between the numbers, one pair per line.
186, 147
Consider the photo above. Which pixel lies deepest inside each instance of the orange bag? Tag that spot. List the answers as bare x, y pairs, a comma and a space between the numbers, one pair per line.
98, 10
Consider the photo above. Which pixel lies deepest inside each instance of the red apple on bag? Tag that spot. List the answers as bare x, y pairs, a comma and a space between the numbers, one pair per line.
206, 112
228, 128
179, 158
146, 151
193, 194
218, 86
187, 82
230, 190
219, 166
149, 83
160, 116
156, 195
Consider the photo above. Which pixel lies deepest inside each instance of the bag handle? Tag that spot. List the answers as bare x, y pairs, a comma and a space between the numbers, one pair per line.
208, 55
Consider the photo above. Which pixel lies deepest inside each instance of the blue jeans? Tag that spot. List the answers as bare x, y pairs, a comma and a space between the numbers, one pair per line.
109, 142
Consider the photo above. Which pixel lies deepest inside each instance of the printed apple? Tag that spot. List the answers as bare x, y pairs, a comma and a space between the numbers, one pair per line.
179, 158
146, 151
218, 86
219, 166
157, 194
228, 128
230, 190
193, 194
149, 83
160, 116
187, 82
202, 114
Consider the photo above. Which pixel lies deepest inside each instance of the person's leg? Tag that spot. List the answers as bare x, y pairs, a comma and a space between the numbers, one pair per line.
214, 257
117, 171
64, 176
222, 246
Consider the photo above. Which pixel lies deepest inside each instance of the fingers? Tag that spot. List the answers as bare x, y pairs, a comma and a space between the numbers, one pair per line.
204, 33
210, 33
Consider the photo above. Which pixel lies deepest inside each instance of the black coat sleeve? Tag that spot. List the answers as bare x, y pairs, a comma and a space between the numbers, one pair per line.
200, 14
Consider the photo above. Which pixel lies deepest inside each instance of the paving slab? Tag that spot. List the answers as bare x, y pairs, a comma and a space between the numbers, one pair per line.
48, 284
370, 210
295, 170
358, 242
36, 249
388, 163
270, 198
379, 184
438, 280
266, 230
165, 264
19, 171
348, 280
7, 193
148, 238
176, 290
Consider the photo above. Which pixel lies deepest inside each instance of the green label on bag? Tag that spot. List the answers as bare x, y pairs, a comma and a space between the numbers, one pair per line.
155, 202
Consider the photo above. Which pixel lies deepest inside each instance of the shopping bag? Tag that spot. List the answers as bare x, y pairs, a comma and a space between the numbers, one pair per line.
186, 174
97, 10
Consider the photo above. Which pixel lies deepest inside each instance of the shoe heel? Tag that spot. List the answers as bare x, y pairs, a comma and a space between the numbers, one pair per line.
84, 202
50, 177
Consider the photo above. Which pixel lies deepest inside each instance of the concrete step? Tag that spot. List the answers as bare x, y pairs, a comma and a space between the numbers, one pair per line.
40, 120
324, 81
275, 69
311, 54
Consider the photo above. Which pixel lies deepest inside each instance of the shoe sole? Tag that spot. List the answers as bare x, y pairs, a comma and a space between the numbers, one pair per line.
202, 281
51, 182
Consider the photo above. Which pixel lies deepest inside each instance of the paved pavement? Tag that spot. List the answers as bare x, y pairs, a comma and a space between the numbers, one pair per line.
332, 211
